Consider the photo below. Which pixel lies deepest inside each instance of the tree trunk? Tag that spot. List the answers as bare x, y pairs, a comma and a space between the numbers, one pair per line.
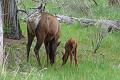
11, 22
1, 35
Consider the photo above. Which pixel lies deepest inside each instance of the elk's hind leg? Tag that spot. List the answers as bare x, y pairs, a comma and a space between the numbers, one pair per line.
30, 39
40, 40
52, 48
47, 50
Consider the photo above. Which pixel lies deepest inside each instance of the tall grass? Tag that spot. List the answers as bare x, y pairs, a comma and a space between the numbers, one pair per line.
104, 66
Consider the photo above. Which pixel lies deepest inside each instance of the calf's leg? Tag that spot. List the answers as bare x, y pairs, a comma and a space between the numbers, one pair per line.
70, 57
75, 57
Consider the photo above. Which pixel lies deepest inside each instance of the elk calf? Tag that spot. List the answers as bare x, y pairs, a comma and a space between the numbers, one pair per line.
70, 50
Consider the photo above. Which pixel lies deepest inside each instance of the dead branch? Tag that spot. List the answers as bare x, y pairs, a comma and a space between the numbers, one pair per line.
20, 10
95, 2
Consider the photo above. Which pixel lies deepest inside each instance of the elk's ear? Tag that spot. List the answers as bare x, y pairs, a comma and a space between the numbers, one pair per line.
58, 43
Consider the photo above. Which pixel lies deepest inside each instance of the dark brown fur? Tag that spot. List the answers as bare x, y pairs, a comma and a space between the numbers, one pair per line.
70, 50
47, 32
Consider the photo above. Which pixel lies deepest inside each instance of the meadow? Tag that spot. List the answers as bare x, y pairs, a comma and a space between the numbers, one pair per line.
104, 65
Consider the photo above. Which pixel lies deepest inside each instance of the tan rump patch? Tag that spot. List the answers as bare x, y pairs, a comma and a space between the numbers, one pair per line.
33, 21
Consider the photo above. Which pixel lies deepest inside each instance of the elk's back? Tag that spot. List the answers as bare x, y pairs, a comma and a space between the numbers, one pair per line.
50, 25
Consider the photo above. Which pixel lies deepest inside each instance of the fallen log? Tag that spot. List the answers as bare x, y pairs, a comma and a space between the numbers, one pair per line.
65, 19
90, 22
115, 24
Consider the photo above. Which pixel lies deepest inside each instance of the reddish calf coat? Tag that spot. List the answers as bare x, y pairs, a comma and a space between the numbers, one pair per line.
70, 50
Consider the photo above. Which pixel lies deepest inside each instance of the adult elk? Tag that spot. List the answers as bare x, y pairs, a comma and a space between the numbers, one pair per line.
70, 50
46, 28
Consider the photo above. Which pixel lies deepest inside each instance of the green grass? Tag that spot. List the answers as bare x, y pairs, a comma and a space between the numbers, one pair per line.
102, 66
89, 68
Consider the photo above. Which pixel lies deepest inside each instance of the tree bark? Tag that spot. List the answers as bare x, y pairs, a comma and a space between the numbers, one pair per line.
1, 35
11, 22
